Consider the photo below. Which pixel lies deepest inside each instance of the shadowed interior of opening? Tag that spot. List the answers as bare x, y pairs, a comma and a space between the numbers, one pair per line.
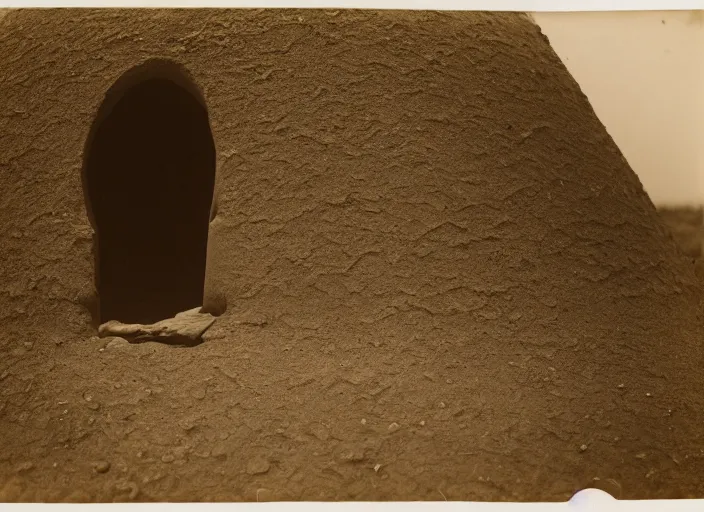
150, 174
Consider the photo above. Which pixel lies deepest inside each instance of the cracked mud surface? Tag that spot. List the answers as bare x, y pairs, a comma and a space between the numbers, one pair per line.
442, 279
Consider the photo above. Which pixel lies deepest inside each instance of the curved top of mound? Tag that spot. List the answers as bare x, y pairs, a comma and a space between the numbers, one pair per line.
382, 143
429, 187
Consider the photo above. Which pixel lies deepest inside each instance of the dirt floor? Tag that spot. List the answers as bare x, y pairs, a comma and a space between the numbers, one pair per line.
102, 420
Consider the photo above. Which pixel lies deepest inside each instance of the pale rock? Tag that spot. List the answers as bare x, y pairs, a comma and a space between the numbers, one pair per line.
186, 328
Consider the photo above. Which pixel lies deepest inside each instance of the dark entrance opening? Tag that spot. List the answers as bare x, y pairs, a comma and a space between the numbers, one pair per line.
149, 178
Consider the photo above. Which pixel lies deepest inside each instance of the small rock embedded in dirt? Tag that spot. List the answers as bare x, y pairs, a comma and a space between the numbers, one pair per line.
352, 454
102, 466
583, 448
116, 343
25, 466
319, 432
167, 458
257, 466
377, 468
132, 487
199, 391
394, 427
187, 424
253, 319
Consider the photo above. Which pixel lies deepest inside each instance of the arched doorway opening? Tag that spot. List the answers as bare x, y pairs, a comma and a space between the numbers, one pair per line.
148, 177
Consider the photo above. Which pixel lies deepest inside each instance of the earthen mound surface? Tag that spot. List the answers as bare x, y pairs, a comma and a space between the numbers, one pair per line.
442, 279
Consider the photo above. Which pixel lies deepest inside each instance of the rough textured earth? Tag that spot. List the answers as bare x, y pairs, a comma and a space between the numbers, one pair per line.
442, 279
687, 227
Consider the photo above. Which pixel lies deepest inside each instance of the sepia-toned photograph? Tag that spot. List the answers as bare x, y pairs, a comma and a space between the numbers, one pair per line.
256, 255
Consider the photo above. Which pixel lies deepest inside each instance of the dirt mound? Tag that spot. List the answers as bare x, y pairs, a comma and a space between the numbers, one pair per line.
442, 278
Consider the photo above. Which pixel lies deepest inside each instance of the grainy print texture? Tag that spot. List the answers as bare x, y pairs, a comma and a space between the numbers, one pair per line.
442, 279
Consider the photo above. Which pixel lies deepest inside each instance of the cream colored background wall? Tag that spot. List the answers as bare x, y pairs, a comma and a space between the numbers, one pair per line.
644, 75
